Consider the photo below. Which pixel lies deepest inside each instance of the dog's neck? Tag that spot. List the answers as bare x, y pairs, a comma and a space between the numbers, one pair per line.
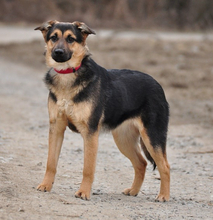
68, 70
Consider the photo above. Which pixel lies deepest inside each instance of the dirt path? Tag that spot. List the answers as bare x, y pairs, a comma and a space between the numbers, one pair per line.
23, 152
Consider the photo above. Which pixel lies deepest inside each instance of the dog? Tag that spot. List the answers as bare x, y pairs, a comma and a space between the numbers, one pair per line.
88, 98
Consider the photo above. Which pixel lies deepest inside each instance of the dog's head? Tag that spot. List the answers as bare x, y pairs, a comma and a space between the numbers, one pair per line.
66, 43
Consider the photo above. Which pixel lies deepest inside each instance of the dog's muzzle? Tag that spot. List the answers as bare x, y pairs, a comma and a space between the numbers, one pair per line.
60, 55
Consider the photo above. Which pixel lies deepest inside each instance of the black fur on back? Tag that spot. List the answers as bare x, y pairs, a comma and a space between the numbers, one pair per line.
123, 94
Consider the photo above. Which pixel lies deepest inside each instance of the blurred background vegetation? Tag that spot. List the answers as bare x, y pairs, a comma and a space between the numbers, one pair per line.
166, 14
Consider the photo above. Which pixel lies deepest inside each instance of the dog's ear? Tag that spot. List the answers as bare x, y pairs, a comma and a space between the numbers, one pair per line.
85, 30
44, 28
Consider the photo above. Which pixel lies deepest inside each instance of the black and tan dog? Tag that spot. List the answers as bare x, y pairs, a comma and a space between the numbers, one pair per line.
86, 97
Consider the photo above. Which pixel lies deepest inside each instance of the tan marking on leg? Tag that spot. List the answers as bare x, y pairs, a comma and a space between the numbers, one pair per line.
90, 155
126, 138
58, 125
162, 165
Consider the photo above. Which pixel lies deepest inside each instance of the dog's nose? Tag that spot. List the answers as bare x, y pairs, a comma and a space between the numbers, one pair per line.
59, 51
61, 55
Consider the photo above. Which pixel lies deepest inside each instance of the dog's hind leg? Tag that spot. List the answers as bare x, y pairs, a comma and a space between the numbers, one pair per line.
126, 137
160, 160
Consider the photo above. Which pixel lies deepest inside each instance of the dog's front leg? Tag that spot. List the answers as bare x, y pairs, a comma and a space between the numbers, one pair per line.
90, 154
58, 124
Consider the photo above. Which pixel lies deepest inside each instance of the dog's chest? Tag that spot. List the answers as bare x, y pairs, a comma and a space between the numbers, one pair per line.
62, 88
65, 104
64, 91
66, 107
76, 113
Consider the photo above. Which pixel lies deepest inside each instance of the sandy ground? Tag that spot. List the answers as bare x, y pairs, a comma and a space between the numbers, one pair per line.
184, 67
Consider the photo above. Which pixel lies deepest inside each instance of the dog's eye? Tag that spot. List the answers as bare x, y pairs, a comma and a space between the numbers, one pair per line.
54, 38
70, 39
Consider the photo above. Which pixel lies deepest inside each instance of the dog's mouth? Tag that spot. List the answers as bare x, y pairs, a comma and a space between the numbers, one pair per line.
61, 56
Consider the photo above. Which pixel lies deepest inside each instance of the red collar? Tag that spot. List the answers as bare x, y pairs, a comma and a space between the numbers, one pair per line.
69, 70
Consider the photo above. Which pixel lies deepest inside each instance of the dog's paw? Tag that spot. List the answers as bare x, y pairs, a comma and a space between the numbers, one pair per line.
130, 192
82, 195
162, 198
44, 187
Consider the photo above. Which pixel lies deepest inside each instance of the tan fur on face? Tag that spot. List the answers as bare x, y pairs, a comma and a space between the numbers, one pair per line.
79, 51
67, 33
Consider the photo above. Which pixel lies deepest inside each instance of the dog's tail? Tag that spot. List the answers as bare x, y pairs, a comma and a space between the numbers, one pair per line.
147, 154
